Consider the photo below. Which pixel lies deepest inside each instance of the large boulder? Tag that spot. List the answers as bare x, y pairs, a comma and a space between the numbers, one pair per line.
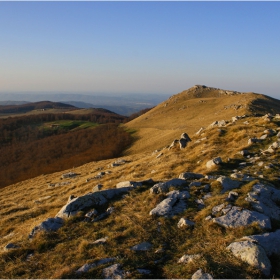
251, 253
172, 205
51, 224
228, 184
269, 241
163, 187
265, 199
89, 200
237, 217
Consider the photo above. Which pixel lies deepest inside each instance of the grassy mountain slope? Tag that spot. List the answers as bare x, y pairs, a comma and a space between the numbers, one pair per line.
59, 254
191, 109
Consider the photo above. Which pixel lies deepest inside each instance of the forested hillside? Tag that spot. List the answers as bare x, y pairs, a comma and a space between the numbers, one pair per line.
39, 144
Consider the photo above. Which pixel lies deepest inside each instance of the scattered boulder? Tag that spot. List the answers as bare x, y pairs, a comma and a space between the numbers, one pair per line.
190, 176
144, 271
213, 162
237, 217
217, 209
69, 175
145, 246
199, 274
164, 186
113, 272
86, 267
228, 184
251, 253
128, 184
10, 246
173, 204
232, 196
100, 241
270, 241
185, 259
51, 224
265, 199
89, 200
185, 223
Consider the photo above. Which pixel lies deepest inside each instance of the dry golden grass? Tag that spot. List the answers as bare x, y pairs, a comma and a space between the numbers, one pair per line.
59, 254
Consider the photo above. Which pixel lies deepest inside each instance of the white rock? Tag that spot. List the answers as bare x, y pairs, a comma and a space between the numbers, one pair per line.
199, 274
251, 253
185, 223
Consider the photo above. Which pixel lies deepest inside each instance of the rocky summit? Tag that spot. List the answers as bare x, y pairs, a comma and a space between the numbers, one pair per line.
203, 204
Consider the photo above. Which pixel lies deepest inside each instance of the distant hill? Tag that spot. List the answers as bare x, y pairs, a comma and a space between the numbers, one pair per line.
9, 102
42, 105
191, 109
123, 104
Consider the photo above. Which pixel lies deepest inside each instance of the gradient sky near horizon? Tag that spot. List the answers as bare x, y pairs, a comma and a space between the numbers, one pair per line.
139, 47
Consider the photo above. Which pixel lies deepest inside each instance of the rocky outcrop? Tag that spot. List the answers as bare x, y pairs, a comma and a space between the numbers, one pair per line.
173, 204
89, 200
113, 272
86, 267
265, 199
251, 253
190, 176
199, 274
237, 217
163, 187
270, 241
51, 224
228, 184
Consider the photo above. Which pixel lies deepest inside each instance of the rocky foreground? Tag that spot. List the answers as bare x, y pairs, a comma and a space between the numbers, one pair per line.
240, 192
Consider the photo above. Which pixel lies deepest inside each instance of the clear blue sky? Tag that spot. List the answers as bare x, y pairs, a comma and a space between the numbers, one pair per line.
139, 47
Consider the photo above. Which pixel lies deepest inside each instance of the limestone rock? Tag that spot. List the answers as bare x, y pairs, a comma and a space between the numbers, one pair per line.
190, 176
237, 217
51, 224
89, 200
113, 272
213, 162
145, 246
264, 199
251, 253
173, 204
164, 186
128, 184
199, 274
185, 223
69, 175
86, 267
217, 209
228, 184
185, 259
269, 241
